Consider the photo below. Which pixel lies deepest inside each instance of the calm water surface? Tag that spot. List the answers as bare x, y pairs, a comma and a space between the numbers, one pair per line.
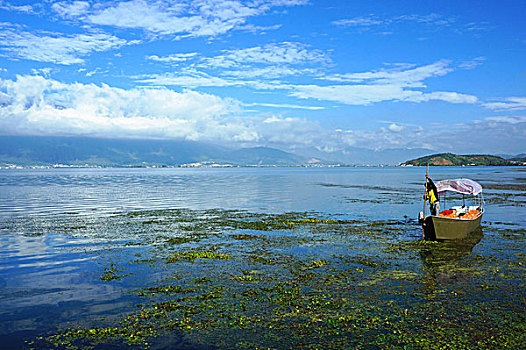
50, 276
376, 193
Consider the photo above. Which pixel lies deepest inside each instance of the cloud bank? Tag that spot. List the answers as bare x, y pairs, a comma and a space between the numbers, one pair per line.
35, 105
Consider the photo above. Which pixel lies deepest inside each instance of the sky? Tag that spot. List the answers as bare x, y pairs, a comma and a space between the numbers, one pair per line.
449, 76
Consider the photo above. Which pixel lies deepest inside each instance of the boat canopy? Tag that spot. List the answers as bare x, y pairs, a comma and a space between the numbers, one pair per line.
464, 186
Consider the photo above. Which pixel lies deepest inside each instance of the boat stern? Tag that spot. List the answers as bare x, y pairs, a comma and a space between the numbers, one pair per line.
444, 228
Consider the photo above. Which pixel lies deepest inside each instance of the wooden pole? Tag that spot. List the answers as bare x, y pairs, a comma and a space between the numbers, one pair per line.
425, 198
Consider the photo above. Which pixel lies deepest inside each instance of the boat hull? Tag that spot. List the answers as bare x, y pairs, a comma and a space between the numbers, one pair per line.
443, 228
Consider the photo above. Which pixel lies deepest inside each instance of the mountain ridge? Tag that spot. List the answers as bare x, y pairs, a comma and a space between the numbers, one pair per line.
88, 151
81, 151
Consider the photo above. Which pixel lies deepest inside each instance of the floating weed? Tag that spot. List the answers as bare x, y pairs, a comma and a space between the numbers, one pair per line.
312, 264
245, 237
150, 261
178, 240
165, 290
301, 280
366, 261
248, 276
193, 255
112, 274
383, 277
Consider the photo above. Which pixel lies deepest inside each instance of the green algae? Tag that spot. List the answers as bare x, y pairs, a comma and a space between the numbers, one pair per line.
193, 255
238, 280
113, 273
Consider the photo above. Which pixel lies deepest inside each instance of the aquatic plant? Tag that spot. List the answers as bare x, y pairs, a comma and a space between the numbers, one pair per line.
302, 280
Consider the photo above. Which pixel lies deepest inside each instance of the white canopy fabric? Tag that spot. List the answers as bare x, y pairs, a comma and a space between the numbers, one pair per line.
464, 186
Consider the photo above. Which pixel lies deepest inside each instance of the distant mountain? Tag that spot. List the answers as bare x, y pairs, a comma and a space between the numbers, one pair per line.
521, 156
459, 160
266, 156
365, 156
28, 150
44, 150
504, 155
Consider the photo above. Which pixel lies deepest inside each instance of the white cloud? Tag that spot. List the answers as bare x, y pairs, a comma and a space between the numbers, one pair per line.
71, 9
398, 84
271, 3
432, 19
473, 137
395, 127
190, 78
36, 105
270, 72
480, 136
281, 106
510, 104
187, 78
21, 8
431, 22
42, 71
262, 29
226, 10
254, 67
507, 119
475, 62
351, 94
290, 133
451, 97
408, 77
175, 58
358, 21
157, 17
183, 18
97, 70
477, 27
54, 47
271, 54
368, 94
368, 21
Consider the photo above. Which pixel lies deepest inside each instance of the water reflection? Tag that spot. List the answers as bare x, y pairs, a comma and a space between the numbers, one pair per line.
446, 261
50, 279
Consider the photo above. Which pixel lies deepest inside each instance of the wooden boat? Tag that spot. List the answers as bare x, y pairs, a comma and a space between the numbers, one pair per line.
458, 221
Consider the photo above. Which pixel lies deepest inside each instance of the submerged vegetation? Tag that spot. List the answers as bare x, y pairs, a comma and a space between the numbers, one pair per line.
239, 280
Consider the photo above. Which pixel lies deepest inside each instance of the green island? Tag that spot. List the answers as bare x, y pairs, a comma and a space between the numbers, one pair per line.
450, 159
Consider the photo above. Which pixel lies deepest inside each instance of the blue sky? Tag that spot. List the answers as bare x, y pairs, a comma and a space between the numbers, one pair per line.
292, 74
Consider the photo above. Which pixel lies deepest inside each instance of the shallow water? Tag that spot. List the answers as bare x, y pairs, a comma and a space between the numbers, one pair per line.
82, 247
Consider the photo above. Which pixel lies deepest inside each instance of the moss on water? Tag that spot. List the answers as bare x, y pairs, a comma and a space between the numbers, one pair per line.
238, 280
112, 273
193, 255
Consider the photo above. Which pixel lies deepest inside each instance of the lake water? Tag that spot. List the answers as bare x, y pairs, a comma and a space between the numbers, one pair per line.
61, 229
369, 192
